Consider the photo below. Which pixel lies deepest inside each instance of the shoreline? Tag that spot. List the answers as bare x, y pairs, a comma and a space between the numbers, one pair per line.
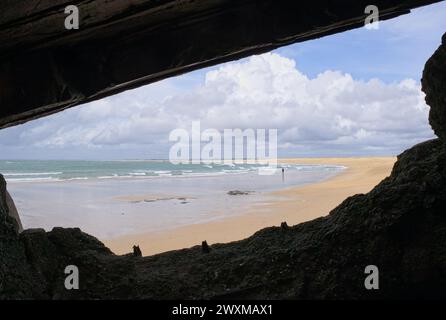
81, 180
293, 205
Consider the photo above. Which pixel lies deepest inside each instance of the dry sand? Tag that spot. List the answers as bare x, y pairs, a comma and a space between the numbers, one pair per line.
293, 205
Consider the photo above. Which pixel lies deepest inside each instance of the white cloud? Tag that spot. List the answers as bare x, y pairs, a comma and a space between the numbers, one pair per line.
332, 113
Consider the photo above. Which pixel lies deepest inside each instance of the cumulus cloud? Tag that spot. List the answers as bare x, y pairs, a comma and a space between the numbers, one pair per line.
329, 114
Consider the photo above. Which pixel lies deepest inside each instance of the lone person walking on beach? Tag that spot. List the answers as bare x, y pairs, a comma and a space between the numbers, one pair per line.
283, 174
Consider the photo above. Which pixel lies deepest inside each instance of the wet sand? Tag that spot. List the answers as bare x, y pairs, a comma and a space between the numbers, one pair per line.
293, 205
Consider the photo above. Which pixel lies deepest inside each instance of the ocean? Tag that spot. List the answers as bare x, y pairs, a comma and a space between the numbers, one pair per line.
114, 198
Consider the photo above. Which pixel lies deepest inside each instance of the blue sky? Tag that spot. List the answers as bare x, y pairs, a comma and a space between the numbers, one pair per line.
364, 85
397, 50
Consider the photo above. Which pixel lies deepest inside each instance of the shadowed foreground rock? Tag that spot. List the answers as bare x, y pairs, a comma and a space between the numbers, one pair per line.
434, 85
400, 227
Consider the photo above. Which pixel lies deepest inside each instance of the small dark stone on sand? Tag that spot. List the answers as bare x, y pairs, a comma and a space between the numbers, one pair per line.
137, 251
205, 247
284, 226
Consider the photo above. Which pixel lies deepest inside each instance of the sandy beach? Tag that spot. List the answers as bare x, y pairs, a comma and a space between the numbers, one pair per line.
293, 205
